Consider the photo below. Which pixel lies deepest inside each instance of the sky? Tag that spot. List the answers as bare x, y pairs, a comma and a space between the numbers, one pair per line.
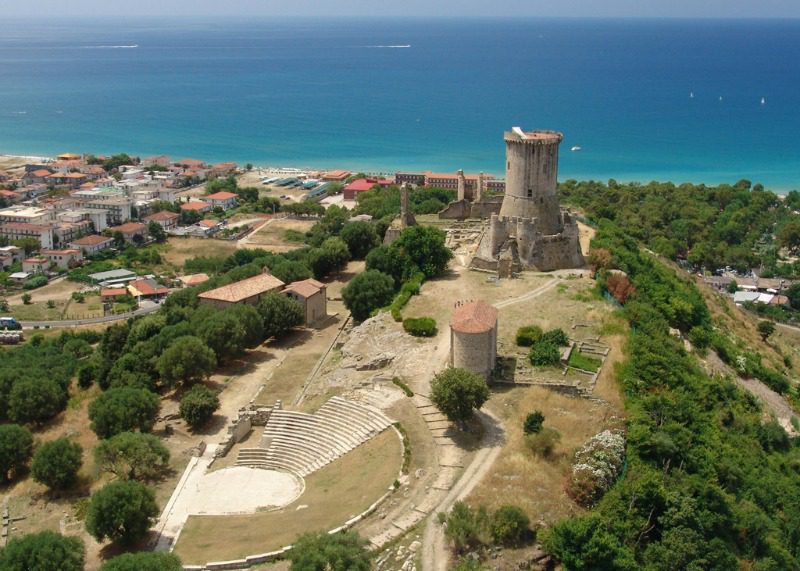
412, 8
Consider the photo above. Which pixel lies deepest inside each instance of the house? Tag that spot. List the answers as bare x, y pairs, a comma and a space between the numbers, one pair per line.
147, 288
166, 219
113, 277
311, 294
196, 206
108, 294
194, 279
223, 169
64, 259
37, 265
38, 176
351, 190
12, 252
19, 277
159, 161
191, 164
209, 226
43, 233
66, 179
224, 200
92, 244
130, 231
250, 291
335, 176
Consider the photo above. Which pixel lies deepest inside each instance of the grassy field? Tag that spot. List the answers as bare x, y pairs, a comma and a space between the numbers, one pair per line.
272, 236
333, 495
180, 249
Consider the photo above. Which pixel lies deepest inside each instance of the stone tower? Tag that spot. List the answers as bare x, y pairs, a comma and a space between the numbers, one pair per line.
531, 228
531, 178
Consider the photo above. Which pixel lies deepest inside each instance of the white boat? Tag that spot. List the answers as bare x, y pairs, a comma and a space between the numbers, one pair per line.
691, 95
575, 149
763, 101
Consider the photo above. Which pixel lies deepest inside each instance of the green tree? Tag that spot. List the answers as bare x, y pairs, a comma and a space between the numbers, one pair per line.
467, 526
457, 393
368, 291
35, 400
123, 409
793, 293
544, 354
289, 271
425, 246
324, 552
360, 237
132, 455
198, 406
331, 257
16, 444
765, 329
533, 422
43, 551
118, 239
733, 287
143, 561
56, 463
156, 231
789, 235
186, 360
26, 298
509, 525
231, 331
121, 511
279, 314
28, 245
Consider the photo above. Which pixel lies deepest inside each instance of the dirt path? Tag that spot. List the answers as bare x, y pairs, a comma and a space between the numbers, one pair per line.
434, 548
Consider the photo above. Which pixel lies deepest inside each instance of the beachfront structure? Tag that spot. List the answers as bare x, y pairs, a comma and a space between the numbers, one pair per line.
223, 169
530, 231
353, 189
159, 161
91, 244
223, 199
130, 231
473, 337
469, 186
335, 176
63, 259
249, 291
310, 294
166, 219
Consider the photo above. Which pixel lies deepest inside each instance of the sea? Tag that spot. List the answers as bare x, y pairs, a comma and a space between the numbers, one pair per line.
703, 101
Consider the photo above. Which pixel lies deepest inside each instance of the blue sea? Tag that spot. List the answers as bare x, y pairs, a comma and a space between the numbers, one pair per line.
673, 100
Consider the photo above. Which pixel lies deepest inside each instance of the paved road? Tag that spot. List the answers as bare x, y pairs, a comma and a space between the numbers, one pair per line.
150, 307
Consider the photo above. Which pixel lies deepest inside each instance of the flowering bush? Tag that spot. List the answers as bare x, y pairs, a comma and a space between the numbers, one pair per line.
596, 467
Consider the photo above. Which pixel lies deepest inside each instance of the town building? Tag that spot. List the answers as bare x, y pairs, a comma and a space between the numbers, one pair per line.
147, 288
360, 185
44, 233
196, 206
166, 219
335, 176
113, 278
250, 291
473, 337
38, 176
35, 265
194, 279
26, 214
64, 259
91, 244
10, 255
130, 231
310, 294
223, 199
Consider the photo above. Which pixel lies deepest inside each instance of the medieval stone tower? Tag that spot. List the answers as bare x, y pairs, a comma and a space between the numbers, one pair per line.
531, 228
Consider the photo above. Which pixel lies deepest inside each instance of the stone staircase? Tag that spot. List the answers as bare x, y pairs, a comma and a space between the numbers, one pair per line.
302, 443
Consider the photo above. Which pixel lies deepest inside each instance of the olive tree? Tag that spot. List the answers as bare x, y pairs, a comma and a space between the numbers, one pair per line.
56, 463
457, 393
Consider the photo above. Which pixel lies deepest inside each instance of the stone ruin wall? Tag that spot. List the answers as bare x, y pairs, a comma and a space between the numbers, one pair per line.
248, 417
463, 209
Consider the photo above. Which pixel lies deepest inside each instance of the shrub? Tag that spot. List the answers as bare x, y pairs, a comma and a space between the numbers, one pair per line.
143, 561
533, 422
335, 552
596, 467
34, 282
528, 335
420, 326
26, 298
43, 551
544, 354
467, 526
56, 463
543, 442
404, 387
36, 400
556, 336
198, 406
509, 525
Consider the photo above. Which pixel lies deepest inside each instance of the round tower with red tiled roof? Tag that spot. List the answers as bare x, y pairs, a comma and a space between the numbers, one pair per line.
473, 337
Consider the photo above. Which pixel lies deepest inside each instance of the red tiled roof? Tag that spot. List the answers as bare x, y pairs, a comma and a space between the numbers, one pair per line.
26, 226
146, 286
162, 215
60, 252
364, 184
305, 288
244, 289
93, 240
113, 291
195, 205
129, 228
194, 279
222, 195
40, 173
209, 223
473, 317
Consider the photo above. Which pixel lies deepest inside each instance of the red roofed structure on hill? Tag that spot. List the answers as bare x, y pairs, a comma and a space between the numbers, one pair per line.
473, 337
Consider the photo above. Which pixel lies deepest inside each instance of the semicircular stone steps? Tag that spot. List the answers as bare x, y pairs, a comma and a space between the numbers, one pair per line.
303, 443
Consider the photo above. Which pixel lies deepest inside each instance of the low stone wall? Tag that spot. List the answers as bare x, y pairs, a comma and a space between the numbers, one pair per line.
248, 417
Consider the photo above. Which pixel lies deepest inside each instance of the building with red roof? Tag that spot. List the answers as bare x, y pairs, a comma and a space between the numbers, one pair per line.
223, 199
473, 337
360, 185
311, 295
166, 219
196, 206
335, 176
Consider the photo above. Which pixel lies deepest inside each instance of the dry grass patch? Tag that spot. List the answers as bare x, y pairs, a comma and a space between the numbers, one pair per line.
181, 249
271, 236
333, 495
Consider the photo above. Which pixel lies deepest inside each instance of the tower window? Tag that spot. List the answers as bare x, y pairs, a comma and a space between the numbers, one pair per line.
530, 193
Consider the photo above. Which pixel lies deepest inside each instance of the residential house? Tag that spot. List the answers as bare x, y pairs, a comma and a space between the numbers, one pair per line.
147, 288
311, 294
111, 294
66, 179
194, 279
10, 255
160, 161
35, 265
250, 291
19, 277
335, 176
209, 226
64, 259
166, 219
91, 244
130, 231
196, 206
223, 199
38, 176
113, 278
223, 169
